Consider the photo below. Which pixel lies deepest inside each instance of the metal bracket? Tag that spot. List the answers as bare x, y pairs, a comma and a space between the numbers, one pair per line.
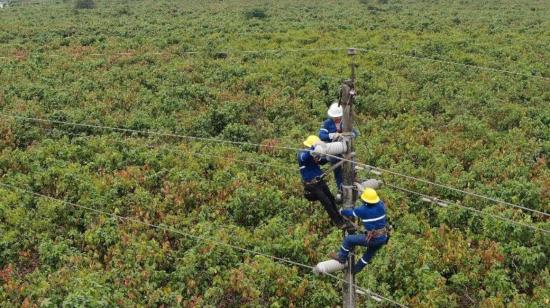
338, 164
370, 169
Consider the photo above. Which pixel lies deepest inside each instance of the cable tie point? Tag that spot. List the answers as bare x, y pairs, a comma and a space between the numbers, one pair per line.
375, 172
376, 298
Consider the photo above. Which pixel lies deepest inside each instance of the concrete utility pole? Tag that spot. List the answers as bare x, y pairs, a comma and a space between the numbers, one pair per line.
347, 97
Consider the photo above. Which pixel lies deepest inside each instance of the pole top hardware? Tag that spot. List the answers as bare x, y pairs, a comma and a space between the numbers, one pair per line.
352, 51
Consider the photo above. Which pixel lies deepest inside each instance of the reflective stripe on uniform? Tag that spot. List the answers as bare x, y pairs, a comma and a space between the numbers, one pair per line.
303, 167
363, 261
345, 248
353, 212
374, 219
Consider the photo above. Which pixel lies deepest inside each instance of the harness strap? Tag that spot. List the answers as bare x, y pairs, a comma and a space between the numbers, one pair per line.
376, 233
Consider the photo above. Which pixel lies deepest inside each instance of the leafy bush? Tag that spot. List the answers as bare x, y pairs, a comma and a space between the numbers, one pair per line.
256, 13
141, 65
84, 4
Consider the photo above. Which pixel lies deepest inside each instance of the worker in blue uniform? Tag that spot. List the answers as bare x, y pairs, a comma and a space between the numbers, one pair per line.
373, 215
331, 131
315, 187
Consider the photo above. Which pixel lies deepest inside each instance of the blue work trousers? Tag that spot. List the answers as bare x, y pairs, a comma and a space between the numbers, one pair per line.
353, 240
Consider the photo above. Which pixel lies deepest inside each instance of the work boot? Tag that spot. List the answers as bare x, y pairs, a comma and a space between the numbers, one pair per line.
335, 256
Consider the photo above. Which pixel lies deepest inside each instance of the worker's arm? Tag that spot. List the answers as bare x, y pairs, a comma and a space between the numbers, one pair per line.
324, 133
320, 160
350, 212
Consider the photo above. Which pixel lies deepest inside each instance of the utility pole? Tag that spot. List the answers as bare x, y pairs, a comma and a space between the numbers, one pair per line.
347, 97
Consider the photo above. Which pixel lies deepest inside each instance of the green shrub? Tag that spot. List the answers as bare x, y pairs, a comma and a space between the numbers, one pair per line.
256, 13
84, 4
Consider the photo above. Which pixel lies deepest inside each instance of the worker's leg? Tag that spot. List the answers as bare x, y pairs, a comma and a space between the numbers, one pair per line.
372, 248
327, 200
349, 242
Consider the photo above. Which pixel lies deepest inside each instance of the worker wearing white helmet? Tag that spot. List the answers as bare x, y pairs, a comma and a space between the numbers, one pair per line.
330, 131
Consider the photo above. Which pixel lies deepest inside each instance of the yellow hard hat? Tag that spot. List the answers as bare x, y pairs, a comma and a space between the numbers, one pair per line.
311, 140
369, 195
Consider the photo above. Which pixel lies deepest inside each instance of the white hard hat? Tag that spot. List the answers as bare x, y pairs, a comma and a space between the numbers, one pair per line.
335, 111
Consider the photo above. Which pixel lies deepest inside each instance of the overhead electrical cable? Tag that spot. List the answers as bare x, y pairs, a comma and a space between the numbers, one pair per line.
244, 143
445, 203
470, 66
196, 237
427, 198
297, 50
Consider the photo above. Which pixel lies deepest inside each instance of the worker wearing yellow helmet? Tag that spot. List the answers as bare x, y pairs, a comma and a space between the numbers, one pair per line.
315, 187
372, 213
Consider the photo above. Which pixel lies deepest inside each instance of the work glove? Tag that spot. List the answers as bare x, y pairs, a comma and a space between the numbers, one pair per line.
334, 136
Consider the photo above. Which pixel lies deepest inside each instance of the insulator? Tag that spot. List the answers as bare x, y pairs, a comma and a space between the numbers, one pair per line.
376, 298
333, 148
370, 183
327, 267
375, 172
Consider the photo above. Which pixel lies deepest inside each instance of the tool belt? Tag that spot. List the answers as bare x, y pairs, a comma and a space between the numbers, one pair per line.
376, 233
315, 180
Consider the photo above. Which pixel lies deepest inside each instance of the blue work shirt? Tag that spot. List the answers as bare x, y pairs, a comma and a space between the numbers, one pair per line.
309, 167
373, 216
329, 127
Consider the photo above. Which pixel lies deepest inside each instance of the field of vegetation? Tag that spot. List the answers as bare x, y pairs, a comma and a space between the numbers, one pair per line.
452, 92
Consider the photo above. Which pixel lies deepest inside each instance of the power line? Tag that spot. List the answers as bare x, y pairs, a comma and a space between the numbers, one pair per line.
424, 196
196, 237
445, 203
371, 294
429, 198
471, 66
244, 143
298, 50
454, 189
194, 52
148, 132
196, 154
